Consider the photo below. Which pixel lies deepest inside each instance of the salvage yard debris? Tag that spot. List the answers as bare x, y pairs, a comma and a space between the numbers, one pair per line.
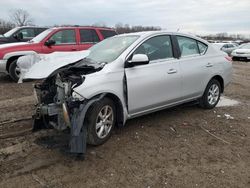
213, 135
228, 116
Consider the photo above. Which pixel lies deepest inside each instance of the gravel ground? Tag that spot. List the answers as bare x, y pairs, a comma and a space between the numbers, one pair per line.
170, 148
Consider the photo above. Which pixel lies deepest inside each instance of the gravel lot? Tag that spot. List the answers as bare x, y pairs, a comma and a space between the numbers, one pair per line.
170, 148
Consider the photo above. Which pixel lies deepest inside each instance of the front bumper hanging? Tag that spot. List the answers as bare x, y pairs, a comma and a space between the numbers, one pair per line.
66, 115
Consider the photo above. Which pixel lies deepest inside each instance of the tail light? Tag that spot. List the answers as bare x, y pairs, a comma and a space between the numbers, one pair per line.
228, 58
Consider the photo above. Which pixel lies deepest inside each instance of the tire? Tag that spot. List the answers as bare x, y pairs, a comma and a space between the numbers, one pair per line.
211, 95
13, 71
98, 129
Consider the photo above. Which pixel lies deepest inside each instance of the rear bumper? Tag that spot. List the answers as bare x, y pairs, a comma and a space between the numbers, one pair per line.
3, 64
241, 58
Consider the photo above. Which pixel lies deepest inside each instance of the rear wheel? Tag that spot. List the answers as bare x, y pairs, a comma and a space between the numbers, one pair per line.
211, 95
100, 121
14, 71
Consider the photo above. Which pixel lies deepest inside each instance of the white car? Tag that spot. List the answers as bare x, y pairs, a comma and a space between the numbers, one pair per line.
242, 53
226, 47
123, 77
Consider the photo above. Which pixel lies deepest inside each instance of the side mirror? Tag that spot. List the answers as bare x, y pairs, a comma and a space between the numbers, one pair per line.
50, 42
138, 59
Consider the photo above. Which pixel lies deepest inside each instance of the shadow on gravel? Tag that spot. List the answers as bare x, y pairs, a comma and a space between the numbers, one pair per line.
58, 141
5, 78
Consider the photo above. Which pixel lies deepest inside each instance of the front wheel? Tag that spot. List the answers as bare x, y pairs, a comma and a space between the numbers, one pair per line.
100, 121
211, 95
14, 71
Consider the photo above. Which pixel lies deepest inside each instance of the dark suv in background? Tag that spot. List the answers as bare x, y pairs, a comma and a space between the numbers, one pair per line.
21, 34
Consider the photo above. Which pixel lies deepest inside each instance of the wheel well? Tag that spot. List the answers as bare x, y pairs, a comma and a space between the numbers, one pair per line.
220, 80
119, 108
10, 60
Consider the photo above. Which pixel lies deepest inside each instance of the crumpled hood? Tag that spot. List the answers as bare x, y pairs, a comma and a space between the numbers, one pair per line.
40, 66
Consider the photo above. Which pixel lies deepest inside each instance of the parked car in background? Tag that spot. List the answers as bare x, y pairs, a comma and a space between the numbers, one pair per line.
51, 40
242, 53
226, 47
123, 77
21, 34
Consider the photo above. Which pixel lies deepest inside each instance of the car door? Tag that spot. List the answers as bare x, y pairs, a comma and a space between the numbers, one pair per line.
195, 66
156, 84
88, 37
65, 40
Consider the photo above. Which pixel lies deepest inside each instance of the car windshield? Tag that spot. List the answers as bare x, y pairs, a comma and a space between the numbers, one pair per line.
41, 36
10, 32
110, 49
245, 46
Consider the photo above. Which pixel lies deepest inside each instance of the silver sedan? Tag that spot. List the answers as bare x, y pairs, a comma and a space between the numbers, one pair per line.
124, 77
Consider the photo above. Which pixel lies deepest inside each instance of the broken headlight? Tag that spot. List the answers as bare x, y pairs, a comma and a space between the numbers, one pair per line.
77, 96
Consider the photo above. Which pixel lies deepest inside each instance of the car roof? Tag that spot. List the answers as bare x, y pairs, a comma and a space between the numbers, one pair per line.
222, 43
84, 27
145, 34
31, 27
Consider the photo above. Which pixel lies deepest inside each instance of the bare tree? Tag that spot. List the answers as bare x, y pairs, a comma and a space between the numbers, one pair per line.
100, 24
20, 17
120, 28
5, 26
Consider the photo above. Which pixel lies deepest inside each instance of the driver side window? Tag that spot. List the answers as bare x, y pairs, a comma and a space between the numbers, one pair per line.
64, 37
156, 48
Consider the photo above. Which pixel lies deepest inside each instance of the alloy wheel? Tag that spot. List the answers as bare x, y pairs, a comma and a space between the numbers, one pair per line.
104, 121
213, 94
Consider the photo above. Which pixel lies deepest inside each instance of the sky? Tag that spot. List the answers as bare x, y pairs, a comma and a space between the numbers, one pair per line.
196, 16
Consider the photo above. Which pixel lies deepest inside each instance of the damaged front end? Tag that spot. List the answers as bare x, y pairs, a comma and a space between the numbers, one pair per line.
58, 106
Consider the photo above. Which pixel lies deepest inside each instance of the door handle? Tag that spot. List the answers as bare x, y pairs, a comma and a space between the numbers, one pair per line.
209, 65
172, 71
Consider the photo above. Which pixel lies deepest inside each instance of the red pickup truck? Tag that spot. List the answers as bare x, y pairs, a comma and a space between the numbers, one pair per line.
51, 40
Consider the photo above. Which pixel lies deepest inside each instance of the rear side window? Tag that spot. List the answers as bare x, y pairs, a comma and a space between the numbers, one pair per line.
39, 30
202, 48
107, 33
89, 36
187, 46
156, 48
65, 37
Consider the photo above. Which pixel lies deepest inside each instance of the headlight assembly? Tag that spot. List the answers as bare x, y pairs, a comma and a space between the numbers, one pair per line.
78, 96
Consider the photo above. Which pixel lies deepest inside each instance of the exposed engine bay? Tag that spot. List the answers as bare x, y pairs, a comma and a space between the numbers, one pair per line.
57, 104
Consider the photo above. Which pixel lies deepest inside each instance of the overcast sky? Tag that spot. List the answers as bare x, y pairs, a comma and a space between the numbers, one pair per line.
197, 16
